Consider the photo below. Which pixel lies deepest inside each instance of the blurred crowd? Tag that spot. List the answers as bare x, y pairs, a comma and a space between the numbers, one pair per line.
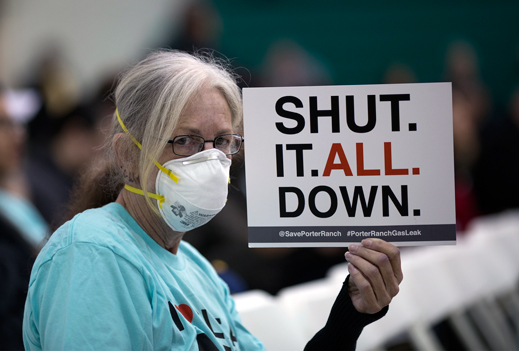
49, 135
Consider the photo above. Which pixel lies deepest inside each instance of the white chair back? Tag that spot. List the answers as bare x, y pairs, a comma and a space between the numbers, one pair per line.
263, 316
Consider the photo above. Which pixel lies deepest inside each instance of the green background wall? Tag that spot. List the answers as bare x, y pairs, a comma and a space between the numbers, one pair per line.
359, 40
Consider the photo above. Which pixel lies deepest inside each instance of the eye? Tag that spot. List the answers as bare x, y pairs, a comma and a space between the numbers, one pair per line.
182, 140
187, 145
223, 140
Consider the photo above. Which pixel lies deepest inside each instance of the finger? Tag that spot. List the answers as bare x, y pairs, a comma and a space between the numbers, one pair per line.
374, 277
390, 250
367, 296
382, 263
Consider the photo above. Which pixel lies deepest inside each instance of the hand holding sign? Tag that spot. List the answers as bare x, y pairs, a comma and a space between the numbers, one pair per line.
375, 273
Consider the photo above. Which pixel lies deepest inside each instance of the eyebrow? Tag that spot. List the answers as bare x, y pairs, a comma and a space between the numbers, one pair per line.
195, 131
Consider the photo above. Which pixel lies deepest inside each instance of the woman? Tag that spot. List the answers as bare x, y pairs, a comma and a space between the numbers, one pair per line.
120, 277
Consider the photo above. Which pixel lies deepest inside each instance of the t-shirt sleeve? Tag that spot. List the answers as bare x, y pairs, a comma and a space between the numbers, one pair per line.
88, 298
344, 325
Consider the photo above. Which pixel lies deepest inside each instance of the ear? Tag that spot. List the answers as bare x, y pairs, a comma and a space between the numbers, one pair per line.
126, 161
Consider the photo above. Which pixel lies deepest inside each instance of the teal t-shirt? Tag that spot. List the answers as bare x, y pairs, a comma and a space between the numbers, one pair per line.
101, 283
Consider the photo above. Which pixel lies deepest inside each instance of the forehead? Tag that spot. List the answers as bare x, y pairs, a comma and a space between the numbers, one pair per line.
206, 113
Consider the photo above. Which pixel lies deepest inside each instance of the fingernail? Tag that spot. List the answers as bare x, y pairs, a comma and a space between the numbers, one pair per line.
366, 242
353, 247
348, 256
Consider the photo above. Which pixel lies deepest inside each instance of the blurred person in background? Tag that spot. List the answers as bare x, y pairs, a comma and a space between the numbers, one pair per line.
462, 69
54, 79
399, 73
61, 136
119, 274
497, 169
22, 230
58, 155
287, 63
472, 108
466, 152
200, 28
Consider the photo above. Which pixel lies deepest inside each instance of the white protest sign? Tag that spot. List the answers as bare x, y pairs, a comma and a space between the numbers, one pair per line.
333, 165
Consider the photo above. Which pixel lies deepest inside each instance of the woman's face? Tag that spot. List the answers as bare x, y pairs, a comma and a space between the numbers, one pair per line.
207, 115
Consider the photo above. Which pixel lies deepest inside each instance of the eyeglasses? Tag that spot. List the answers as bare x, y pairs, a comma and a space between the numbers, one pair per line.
187, 145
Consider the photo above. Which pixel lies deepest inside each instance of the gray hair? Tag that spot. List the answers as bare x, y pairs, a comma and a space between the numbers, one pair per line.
152, 95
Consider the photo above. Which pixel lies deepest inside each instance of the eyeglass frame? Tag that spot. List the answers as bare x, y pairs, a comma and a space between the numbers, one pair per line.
205, 141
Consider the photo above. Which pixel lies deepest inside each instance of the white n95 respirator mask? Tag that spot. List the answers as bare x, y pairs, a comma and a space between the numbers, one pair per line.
200, 192
190, 190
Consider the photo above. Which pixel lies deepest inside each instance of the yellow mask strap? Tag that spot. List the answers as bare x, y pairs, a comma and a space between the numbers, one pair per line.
163, 169
157, 197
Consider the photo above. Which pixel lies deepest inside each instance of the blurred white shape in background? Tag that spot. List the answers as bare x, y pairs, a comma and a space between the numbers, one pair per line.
22, 104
